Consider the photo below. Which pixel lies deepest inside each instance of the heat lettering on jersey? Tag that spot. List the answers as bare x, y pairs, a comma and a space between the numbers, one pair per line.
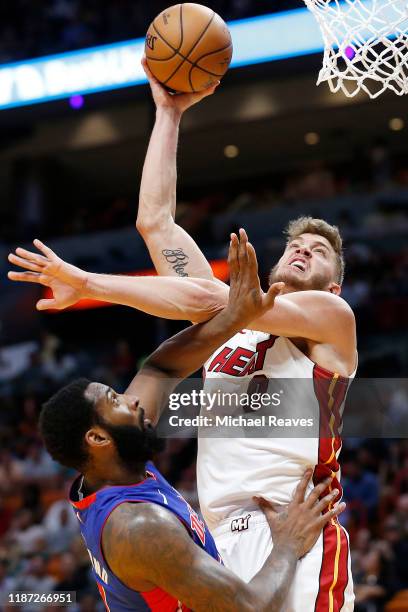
241, 361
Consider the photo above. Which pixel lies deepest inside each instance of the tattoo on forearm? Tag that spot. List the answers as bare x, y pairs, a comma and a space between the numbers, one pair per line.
177, 259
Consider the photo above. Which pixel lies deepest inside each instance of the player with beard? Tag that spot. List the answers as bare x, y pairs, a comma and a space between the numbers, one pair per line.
302, 332
149, 550
308, 334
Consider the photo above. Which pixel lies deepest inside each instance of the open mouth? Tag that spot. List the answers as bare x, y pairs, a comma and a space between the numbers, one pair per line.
299, 264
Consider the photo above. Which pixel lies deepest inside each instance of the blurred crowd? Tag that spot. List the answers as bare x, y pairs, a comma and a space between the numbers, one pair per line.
372, 171
31, 28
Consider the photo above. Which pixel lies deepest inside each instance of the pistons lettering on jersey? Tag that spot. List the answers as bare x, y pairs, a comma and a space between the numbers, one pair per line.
99, 569
241, 523
241, 361
197, 525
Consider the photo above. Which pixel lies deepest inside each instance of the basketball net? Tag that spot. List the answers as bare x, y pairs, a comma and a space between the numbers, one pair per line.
366, 45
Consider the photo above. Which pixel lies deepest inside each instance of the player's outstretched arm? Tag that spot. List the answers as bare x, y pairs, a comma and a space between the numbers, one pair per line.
173, 251
146, 546
170, 298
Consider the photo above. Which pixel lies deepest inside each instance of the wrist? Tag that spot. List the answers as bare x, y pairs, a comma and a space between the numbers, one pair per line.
169, 112
287, 550
86, 290
231, 322
234, 320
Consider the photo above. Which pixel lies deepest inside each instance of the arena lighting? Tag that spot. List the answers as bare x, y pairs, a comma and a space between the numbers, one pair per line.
219, 267
396, 124
312, 138
231, 151
76, 102
256, 40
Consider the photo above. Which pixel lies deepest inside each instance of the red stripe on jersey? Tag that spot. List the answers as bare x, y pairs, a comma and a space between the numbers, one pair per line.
103, 595
333, 577
84, 503
90, 499
160, 601
343, 577
330, 390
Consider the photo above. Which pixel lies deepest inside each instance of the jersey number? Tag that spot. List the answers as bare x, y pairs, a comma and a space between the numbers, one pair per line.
258, 385
197, 526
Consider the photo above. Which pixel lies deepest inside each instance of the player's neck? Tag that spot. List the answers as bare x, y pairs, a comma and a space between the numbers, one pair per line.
112, 476
288, 289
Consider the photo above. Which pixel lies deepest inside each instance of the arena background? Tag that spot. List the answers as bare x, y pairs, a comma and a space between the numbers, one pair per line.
267, 147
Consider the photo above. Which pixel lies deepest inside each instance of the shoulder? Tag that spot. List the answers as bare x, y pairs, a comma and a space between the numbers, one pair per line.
139, 519
136, 537
337, 304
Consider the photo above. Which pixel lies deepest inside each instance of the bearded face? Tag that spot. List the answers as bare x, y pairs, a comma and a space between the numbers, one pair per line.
134, 445
308, 263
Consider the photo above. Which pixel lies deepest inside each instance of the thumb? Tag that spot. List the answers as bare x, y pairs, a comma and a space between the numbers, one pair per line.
47, 304
273, 292
208, 92
212, 89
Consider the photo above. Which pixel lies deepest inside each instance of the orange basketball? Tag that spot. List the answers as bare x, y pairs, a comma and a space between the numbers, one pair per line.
188, 47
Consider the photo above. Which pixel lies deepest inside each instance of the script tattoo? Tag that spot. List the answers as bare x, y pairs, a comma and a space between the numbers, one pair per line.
177, 259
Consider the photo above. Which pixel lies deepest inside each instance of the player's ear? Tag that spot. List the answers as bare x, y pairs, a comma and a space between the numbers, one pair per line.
97, 437
335, 288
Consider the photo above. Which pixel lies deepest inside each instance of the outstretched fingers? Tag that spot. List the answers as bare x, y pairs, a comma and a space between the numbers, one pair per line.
34, 257
233, 258
252, 259
24, 263
300, 491
149, 73
243, 250
47, 304
331, 514
49, 253
317, 492
29, 277
209, 91
325, 502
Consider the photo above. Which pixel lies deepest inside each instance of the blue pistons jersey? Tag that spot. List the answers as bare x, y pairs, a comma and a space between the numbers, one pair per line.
92, 513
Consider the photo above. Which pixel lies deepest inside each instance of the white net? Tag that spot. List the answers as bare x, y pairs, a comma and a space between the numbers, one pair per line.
366, 45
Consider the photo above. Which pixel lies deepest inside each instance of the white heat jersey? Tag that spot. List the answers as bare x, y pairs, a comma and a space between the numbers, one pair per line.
231, 470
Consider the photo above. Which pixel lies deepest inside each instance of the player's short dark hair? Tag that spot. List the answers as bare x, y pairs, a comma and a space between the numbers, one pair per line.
64, 420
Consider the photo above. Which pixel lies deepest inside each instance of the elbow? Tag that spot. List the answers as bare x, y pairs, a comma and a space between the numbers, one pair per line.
152, 224
146, 227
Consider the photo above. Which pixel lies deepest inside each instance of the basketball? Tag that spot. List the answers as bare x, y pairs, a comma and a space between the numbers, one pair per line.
188, 47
